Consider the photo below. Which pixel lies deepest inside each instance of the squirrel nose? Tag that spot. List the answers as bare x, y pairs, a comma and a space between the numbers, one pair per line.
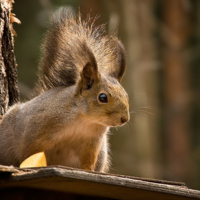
124, 119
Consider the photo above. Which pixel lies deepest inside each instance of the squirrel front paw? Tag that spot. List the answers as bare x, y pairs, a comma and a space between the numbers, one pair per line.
88, 167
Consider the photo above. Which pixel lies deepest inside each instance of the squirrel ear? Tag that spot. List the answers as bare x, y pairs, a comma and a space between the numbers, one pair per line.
119, 64
89, 75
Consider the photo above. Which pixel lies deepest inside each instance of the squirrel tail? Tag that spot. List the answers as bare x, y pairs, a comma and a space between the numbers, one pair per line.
69, 44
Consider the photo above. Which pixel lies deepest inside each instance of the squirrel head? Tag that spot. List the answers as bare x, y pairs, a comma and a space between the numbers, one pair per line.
106, 102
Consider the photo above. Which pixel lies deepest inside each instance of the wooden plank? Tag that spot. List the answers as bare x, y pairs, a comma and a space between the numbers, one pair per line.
8, 169
81, 182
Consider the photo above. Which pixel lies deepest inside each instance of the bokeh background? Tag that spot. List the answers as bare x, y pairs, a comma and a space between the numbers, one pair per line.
162, 39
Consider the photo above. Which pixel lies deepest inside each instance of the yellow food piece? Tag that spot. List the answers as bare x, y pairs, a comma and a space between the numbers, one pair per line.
36, 160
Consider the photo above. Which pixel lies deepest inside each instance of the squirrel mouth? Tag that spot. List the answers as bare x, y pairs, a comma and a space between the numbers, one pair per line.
116, 124
110, 124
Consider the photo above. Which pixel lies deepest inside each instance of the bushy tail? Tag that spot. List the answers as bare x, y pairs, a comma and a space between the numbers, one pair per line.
69, 45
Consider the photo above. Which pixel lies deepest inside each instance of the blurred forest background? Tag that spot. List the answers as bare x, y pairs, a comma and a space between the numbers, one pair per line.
162, 39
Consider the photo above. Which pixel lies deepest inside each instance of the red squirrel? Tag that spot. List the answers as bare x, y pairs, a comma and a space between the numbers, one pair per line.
79, 98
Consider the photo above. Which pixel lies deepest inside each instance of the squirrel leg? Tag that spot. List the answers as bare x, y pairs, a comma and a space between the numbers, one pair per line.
103, 161
89, 156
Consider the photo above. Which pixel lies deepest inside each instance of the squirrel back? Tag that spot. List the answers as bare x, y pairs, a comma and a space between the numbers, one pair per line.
69, 44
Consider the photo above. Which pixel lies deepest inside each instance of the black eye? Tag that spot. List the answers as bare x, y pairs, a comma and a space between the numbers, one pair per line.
103, 98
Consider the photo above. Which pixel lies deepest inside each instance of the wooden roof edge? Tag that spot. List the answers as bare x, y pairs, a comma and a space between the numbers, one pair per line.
169, 187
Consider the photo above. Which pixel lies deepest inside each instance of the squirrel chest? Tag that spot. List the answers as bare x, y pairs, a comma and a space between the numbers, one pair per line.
78, 145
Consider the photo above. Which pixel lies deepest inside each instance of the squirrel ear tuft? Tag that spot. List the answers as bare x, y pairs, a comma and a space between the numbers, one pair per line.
119, 64
89, 75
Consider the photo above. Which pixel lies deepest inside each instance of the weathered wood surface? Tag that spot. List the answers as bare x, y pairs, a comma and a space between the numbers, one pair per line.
79, 182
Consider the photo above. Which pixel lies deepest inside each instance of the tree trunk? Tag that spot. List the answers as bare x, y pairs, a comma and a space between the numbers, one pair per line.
139, 25
176, 90
9, 93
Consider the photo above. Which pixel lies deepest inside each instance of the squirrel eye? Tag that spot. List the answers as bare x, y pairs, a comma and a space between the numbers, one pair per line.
103, 98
